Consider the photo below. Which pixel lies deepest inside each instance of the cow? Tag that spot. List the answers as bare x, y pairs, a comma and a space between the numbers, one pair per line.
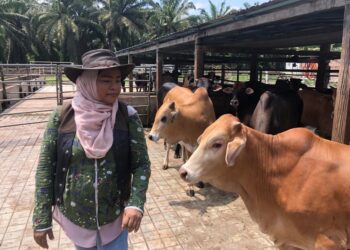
268, 108
182, 117
277, 111
318, 111
295, 184
166, 77
163, 91
142, 82
220, 98
245, 97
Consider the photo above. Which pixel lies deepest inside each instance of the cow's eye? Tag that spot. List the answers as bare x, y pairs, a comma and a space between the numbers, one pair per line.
217, 145
163, 119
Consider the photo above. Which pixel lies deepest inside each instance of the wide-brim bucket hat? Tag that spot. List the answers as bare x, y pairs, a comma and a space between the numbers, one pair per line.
98, 59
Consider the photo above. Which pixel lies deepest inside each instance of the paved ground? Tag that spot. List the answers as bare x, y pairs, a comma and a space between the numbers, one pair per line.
210, 220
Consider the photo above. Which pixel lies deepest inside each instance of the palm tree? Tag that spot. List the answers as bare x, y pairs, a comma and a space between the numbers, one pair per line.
215, 12
63, 23
13, 36
123, 19
170, 16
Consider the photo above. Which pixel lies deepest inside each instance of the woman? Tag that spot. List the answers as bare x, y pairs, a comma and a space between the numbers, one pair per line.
93, 147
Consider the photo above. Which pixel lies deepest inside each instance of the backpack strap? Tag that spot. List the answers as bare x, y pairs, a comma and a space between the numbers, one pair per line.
67, 122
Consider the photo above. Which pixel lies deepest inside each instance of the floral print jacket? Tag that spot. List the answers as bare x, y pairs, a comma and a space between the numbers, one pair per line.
79, 201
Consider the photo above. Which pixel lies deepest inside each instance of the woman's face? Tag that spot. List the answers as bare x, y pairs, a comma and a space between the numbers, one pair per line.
108, 85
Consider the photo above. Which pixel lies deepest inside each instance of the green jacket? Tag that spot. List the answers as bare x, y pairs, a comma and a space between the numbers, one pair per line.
79, 204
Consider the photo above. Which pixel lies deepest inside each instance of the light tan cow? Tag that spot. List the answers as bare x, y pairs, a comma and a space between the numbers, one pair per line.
295, 184
182, 117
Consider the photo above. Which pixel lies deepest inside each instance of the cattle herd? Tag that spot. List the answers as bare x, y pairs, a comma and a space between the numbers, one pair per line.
294, 183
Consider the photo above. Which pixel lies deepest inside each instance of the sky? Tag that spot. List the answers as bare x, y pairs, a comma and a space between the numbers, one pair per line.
234, 4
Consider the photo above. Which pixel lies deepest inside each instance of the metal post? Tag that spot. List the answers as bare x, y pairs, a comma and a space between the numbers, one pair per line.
131, 80
222, 74
4, 105
57, 85
60, 82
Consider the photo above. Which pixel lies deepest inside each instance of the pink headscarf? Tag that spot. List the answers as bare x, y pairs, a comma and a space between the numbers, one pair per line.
94, 119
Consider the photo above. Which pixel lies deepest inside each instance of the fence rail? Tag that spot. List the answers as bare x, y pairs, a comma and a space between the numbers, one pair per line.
25, 82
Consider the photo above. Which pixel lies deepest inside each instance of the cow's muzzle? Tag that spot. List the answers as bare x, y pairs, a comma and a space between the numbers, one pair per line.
183, 174
153, 137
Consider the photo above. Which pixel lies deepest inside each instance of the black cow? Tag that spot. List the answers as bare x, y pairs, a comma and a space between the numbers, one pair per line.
268, 108
277, 111
245, 97
142, 82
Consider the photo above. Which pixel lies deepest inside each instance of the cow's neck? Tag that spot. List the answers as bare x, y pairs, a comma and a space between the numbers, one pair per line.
256, 177
191, 128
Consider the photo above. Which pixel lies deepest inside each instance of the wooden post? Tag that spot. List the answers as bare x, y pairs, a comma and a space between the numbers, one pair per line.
130, 76
321, 80
222, 74
341, 121
254, 68
198, 59
3, 85
159, 69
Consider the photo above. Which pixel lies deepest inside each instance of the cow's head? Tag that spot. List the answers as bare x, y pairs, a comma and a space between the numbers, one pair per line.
241, 92
219, 146
164, 121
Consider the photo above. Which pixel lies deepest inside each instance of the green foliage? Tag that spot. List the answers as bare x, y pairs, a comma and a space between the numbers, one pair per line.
61, 30
169, 16
215, 12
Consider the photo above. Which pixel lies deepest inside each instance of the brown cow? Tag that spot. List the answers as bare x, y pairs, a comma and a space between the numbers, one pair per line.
318, 111
183, 116
295, 184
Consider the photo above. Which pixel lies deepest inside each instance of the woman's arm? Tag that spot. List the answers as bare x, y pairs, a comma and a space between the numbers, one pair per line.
42, 216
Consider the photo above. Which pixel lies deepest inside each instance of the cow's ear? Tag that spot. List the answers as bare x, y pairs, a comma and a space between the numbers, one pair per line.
173, 115
249, 91
172, 106
235, 146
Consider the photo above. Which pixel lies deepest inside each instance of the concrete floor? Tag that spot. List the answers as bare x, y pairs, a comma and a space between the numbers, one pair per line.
210, 220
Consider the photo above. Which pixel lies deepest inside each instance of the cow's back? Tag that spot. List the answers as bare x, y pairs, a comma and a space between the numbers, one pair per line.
179, 95
313, 165
277, 111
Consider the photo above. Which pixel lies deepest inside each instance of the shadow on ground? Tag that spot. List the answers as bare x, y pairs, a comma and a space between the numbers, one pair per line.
206, 197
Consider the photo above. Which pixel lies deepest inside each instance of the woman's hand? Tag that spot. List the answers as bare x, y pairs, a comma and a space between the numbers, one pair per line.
131, 219
40, 237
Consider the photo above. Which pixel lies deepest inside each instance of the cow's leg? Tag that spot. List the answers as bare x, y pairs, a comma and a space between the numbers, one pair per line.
332, 240
177, 153
185, 154
166, 158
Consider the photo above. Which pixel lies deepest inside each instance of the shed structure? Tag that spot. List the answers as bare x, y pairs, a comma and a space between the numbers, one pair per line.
269, 32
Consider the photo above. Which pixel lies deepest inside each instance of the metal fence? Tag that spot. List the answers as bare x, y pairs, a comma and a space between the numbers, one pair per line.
22, 81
